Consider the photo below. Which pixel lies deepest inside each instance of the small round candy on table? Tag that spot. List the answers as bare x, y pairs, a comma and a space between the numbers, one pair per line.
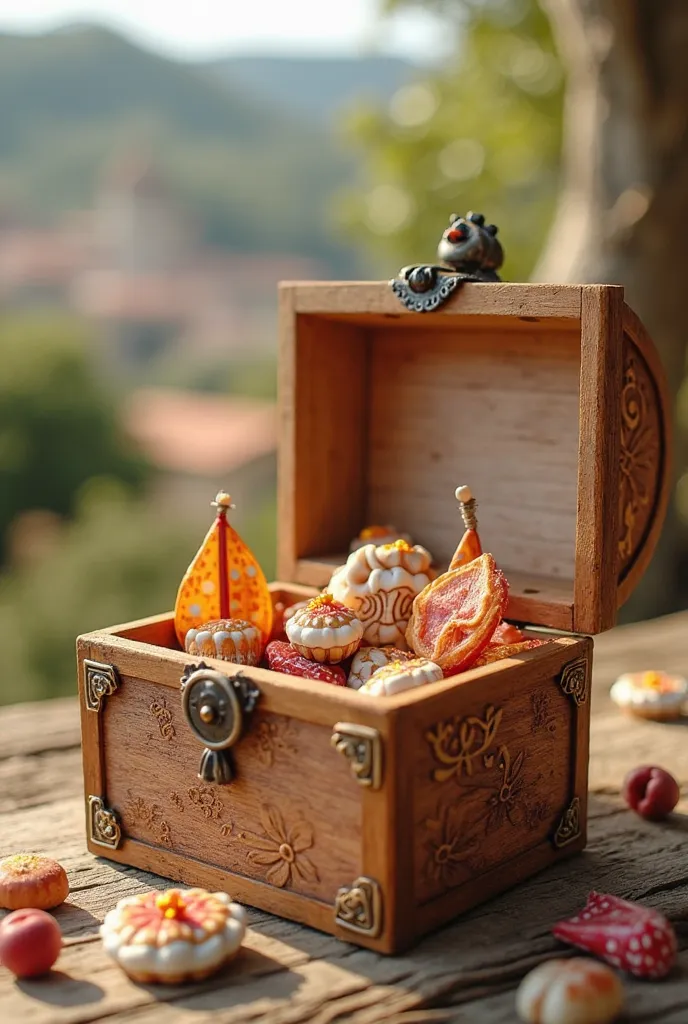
235, 640
30, 942
325, 630
398, 676
654, 695
30, 880
369, 659
173, 936
574, 991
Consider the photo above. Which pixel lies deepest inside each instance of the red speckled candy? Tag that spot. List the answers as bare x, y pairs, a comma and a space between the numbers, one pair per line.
283, 658
627, 935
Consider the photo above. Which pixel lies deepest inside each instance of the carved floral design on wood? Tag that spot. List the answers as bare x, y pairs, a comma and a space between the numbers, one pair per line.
274, 737
640, 453
450, 848
281, 849
207, 801
163, 716
150, 815
467, 750
457, 742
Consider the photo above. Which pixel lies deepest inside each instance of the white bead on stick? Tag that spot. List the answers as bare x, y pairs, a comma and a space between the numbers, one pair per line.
468, 505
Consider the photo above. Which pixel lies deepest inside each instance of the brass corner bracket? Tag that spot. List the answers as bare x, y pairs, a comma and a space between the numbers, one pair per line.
569, 827
574, 680
362, 746
103, 827
358, 907
100, 681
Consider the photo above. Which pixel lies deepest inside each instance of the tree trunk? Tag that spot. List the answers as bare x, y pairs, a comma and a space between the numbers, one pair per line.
623, 212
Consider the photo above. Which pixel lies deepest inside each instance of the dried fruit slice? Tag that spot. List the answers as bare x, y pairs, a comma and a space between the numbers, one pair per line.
505, 633
496, 652
283, 658
627, 935
454, 617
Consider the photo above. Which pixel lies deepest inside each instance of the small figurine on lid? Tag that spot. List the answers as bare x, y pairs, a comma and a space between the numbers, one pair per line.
224, 581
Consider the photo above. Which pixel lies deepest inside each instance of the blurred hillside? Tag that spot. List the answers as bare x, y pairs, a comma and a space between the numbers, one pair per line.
240, 148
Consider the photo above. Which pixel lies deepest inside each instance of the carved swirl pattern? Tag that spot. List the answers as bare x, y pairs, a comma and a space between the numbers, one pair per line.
467, 750
641, 454
163, 716
151, 816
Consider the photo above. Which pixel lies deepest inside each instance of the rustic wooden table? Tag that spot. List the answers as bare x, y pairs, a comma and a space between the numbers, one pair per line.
288, 974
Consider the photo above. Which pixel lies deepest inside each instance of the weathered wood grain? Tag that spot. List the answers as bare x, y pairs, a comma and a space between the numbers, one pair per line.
288, 974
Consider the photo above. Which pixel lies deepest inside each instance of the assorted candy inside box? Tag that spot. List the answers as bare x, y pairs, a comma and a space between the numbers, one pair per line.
398, 729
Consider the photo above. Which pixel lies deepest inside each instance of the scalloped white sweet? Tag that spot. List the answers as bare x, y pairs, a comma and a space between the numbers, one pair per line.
629, 692
396, 677
380, 583
324, 631
137, 957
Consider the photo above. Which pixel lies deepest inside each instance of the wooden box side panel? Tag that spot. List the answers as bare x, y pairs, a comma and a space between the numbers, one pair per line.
499, 779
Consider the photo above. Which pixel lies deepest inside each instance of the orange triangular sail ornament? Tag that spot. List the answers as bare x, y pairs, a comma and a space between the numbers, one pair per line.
224, 581
469, 546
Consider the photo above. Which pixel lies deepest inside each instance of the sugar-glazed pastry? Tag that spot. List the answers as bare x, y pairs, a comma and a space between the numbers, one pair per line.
368, 659
380, 583
577, 991
229, 639
173, 936
378, 535
30, 880
325, 630
655, 695
397, 676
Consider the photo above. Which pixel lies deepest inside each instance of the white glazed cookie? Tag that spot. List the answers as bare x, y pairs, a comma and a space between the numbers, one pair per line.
397, 676
577, 991
174, 936
368, 659
229, 639
654, 695
325, 630
380, 584
378, 535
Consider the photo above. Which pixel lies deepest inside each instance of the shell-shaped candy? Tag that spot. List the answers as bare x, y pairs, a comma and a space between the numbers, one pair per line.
576, 991
325, 630
379, 583
401, 675
368, 659
173, 936
233, 640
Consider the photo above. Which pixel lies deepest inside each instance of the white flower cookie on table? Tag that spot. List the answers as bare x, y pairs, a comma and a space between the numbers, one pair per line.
325, 630
398, 676
379, 583
654, 695
173, 936
368, 659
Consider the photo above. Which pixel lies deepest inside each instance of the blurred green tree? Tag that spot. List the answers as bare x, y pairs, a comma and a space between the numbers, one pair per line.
483, 132
57, 426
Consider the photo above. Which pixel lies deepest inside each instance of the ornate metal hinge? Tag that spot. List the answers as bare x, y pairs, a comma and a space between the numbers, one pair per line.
569, 827
216, 708
362, 746
358, 907
103, 825
100, 681
470, 252
574, 680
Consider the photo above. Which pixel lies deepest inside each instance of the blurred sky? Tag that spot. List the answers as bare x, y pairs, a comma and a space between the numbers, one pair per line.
205, 28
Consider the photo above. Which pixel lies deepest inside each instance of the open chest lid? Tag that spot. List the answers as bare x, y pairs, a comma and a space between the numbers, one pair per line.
549, 401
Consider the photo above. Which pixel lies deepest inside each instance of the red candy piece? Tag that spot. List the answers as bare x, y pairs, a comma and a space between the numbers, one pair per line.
30, 942
627, 935
651, 792
505, 633
283, 658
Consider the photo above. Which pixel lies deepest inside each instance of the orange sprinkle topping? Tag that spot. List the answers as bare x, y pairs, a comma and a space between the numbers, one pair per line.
657, 681
371, 532
400, 545
171, 903
320, 600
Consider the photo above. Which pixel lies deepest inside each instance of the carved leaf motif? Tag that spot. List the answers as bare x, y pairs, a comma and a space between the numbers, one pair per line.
457, 742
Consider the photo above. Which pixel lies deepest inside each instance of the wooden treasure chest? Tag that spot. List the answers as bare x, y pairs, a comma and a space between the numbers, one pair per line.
380, 818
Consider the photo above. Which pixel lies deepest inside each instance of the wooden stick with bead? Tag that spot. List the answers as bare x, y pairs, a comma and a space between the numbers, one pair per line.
469, 546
